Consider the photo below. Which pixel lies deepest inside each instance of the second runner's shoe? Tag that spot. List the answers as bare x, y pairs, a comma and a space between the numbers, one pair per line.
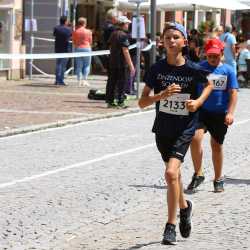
186, 220
195, 182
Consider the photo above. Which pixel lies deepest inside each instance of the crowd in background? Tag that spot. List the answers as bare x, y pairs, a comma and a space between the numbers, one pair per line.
236, 51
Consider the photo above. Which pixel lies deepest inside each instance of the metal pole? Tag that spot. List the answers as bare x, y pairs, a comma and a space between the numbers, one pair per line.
74, 27
31, 37
74, 14
153, 31
138, 49
194, 16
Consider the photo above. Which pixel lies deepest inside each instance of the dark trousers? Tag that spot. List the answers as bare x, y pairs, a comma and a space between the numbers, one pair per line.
117, 80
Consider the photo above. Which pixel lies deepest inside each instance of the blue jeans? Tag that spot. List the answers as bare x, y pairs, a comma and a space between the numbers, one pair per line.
61, 64
83, 64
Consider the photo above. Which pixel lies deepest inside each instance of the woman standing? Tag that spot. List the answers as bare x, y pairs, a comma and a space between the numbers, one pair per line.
82, 40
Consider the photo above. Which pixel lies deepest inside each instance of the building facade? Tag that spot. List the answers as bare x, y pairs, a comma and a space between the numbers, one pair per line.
11, 37
15, 35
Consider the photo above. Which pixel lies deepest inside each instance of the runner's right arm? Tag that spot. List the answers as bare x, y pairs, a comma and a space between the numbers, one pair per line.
147, 99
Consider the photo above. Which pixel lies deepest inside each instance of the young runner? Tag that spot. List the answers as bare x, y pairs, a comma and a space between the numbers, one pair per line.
216, 114
174, 83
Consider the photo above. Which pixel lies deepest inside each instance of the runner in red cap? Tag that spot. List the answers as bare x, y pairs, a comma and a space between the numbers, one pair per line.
216, 114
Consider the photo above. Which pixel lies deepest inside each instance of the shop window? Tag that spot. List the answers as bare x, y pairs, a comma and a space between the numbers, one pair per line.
5, 41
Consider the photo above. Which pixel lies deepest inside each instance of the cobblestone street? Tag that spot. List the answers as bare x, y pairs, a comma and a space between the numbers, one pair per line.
99, 184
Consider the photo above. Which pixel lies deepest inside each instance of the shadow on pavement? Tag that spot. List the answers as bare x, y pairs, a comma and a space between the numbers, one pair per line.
148, 186
84, 102
41, 85
138, 246
237, 181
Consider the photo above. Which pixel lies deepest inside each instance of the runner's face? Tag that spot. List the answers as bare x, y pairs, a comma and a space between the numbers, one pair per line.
174, 41
214, 59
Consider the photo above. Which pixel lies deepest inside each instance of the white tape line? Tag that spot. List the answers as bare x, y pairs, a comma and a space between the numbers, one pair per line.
39, 70
62, 55
44, 39
54, 55
77, 165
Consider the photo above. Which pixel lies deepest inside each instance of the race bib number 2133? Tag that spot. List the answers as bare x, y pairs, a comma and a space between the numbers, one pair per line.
175, 104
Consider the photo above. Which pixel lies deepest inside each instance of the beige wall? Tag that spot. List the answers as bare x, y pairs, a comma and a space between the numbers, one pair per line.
15, 66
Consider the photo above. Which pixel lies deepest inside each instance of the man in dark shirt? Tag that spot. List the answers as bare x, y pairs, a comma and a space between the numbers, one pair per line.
62, 35
120, 64
108, 28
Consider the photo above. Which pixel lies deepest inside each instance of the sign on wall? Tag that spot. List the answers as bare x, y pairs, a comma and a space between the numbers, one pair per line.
141, 28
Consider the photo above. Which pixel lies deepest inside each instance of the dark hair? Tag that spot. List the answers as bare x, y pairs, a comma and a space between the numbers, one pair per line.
63, 19
194, 32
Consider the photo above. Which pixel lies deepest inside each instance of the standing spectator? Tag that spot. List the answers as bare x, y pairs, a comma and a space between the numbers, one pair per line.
193, 51
217, 32
130, 86
146, 53
230, 50
244, 55
120, 64
108, 28
196, 38
62, 35
82, 40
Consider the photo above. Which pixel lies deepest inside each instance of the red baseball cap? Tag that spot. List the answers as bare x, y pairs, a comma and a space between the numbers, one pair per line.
214, 46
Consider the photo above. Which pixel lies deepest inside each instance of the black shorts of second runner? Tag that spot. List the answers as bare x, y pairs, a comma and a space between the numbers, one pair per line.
214, 124
175, 147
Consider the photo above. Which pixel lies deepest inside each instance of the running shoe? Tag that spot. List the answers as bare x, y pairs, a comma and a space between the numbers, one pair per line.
195, 182
169, 235
185, 225
112, 105
122, 105
219, 186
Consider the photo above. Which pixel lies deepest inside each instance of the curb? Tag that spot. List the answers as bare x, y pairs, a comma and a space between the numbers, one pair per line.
62, 123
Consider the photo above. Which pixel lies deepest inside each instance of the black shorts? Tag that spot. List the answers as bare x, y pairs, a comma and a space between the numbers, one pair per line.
214, 124
175, 147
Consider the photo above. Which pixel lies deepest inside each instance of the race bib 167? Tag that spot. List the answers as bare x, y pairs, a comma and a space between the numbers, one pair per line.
219, 81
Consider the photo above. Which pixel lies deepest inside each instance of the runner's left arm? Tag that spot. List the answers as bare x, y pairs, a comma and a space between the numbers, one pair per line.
233, 96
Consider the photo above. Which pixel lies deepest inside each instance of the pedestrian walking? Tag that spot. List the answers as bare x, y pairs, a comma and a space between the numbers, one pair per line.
230, 47
62, 35
174, 82
120, 64
216, 114
82, 40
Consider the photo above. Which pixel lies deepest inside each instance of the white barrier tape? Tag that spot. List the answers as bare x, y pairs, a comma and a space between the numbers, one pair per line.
39, 70
63, 55
132, 46
148, 47
43, 39
68, 71
53, 56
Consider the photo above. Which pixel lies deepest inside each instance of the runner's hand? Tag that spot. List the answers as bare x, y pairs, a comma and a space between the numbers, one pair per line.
229, 119
170, 90
192, 105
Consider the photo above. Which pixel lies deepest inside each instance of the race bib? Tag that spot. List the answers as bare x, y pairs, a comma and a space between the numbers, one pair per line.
219, 81
175, 104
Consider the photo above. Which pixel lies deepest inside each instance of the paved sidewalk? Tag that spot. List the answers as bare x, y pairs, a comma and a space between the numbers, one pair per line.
29, 105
